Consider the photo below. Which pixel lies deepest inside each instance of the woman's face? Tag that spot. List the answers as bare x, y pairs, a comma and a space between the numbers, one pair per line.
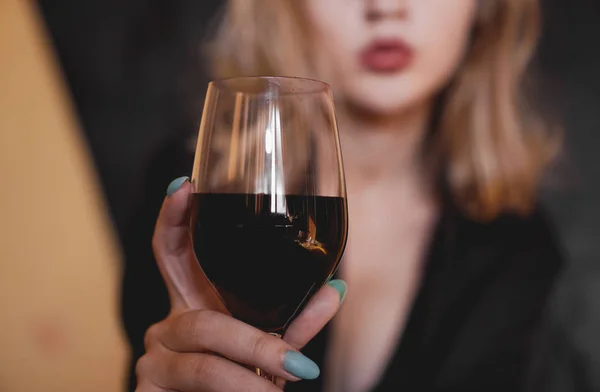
386, 56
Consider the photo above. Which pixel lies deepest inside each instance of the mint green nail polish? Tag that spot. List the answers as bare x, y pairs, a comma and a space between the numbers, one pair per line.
340, 286
175, 185
300, 366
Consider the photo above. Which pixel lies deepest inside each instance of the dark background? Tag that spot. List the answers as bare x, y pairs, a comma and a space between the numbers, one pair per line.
570, 63
137, 78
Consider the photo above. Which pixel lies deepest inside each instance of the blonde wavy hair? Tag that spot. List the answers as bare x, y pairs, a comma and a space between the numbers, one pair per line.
487, 146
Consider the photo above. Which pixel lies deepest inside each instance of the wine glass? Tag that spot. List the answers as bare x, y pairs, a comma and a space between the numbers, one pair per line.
269, 216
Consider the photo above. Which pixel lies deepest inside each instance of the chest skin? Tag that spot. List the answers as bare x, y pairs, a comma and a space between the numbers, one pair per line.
388, 237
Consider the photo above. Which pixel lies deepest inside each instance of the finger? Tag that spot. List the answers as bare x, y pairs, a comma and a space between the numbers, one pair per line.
146, 386
208, 373
142, 371
188, 287
215, 332
152, 335
317, 313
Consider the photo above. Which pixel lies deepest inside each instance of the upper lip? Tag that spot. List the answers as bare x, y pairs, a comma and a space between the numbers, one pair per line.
387, 43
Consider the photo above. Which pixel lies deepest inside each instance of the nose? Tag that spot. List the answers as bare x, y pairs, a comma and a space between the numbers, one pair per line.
385, 9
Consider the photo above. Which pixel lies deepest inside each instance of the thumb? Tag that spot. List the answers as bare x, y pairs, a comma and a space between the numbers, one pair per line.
186, 283
317, 313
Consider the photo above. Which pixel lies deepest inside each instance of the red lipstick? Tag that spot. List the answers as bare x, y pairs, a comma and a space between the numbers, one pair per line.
386, 55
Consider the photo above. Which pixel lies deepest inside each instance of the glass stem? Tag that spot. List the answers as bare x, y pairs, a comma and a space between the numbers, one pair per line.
263, 374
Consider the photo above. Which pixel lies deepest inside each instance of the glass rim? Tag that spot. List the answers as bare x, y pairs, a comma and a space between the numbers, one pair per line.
284, 85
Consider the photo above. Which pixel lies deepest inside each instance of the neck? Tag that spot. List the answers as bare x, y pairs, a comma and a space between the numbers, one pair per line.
382, 149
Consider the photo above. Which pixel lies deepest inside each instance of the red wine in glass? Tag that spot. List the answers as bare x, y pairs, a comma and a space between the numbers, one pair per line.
269, 218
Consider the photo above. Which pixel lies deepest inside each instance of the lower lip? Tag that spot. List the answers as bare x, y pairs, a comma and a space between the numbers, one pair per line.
386, 60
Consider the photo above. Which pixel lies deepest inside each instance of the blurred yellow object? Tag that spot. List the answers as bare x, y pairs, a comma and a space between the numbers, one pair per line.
60, 267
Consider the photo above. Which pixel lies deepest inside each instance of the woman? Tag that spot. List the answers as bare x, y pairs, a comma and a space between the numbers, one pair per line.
450, 260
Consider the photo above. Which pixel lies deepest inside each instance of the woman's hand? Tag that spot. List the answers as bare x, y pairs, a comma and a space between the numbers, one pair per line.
199, 346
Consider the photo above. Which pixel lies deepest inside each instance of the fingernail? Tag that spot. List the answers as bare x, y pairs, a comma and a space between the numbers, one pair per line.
300, 366
340, 286
175, 185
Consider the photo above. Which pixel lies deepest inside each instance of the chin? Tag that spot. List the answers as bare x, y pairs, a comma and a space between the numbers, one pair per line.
389, 96
384, 105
